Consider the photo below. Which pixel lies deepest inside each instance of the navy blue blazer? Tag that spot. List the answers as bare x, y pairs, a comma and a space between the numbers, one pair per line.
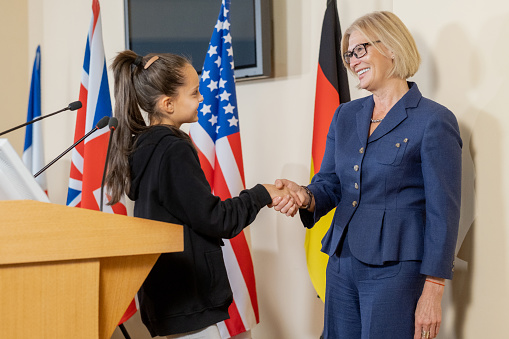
397, 191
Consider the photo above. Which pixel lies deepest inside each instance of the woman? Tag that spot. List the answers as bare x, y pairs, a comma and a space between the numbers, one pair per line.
186, 293
392, 169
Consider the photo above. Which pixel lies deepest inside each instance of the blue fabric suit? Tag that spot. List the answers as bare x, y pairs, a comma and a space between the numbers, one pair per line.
397, 192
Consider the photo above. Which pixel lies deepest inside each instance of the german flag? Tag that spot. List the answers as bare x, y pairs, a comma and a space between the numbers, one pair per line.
331, 90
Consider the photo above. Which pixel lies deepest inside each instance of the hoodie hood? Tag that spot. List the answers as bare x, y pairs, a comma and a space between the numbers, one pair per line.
145, 147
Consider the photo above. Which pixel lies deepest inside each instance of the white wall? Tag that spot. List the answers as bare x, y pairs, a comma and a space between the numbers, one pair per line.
14, 73
463, 44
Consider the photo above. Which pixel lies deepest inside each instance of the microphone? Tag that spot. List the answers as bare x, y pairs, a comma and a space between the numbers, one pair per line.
100, 124
71, 107
113, 126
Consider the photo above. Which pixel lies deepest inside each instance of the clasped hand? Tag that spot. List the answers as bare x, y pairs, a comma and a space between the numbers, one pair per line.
287, 196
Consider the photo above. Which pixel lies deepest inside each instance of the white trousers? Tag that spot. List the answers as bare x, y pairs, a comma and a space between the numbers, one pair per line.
211, 332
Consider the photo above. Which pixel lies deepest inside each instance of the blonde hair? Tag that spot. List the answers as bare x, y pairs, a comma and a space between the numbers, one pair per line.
386, 28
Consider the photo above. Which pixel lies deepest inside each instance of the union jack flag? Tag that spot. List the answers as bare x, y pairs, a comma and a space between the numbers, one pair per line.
217, 138
89, 156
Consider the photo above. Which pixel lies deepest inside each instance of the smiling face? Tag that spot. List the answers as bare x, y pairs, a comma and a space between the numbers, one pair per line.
183, 107
373, 67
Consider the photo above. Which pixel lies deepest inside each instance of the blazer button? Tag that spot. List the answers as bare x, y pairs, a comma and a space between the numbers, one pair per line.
361, 150
405, 140
356, 168
398, 144
354, 203
356, 185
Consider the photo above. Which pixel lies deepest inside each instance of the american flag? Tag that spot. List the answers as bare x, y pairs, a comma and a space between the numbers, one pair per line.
217, 138
89, 156
33, 150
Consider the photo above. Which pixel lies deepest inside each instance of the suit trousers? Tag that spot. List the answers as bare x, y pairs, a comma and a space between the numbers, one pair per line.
370, 301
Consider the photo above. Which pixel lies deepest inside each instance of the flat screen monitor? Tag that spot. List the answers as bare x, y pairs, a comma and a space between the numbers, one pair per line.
184, 27
16, 181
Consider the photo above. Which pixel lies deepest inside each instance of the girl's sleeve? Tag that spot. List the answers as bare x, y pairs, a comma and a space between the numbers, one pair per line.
186, 194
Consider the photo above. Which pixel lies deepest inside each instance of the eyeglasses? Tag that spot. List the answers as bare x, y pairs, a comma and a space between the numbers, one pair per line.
359, 51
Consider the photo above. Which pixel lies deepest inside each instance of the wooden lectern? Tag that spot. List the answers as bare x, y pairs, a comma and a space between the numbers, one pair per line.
69, 272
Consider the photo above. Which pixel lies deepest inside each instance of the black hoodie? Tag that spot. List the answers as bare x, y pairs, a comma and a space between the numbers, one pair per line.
189, 290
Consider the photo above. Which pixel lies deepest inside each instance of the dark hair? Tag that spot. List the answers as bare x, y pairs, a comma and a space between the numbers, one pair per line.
138, 86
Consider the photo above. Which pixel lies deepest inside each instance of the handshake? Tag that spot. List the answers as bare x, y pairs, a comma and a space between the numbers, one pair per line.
288, 197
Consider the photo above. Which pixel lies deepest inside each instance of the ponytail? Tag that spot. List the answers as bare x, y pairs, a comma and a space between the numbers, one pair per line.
139, 82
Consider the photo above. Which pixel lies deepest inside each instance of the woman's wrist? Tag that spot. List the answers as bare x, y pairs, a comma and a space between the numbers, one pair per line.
310, 197
435, 283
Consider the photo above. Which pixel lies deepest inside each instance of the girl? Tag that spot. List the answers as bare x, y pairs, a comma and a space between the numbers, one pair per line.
158, 167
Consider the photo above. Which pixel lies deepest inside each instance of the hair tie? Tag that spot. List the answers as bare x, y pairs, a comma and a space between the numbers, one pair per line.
151, 61
138, 60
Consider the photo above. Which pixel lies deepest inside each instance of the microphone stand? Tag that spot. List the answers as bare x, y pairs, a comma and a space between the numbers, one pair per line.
65, 152
102, 123
72, 106
124, 331
112, 125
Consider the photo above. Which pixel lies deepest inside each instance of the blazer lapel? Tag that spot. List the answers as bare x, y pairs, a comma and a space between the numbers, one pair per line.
393, 118
363, 121
397, 113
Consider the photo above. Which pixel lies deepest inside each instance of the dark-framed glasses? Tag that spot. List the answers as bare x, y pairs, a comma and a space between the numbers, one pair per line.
359, 51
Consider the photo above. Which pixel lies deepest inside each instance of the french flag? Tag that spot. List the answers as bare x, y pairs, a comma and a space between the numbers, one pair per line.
33, 150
